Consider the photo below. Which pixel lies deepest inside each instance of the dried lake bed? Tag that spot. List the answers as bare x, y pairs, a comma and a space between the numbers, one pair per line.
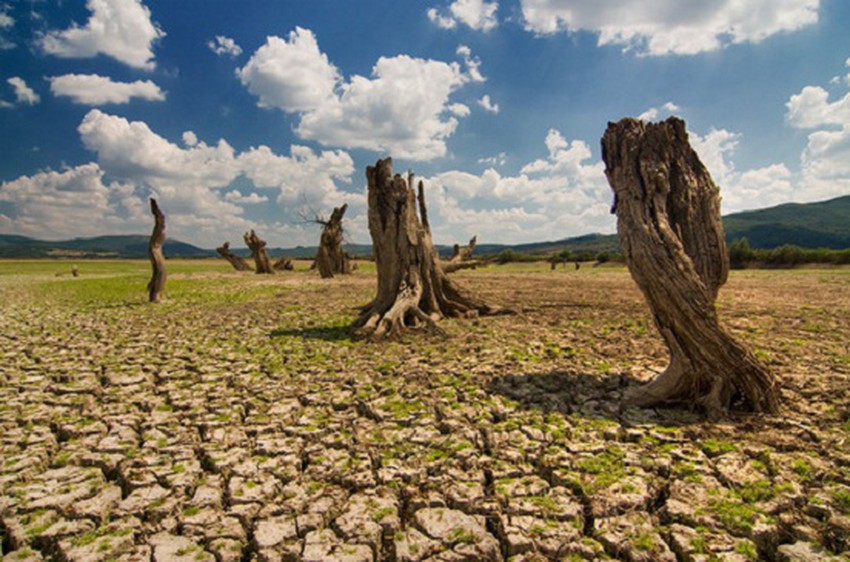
241, 419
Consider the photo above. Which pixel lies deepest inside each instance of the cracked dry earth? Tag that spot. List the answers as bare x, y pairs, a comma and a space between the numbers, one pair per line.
240, 421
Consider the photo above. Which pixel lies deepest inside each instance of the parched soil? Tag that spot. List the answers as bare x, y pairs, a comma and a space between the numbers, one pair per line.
241, 420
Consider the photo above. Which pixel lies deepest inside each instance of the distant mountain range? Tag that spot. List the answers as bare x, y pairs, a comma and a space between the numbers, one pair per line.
809, 225
123, 246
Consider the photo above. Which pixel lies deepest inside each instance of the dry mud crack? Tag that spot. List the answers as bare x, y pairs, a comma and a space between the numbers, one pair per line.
220, 426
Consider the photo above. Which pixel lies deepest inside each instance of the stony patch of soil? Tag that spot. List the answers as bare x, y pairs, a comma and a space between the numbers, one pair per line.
219, 427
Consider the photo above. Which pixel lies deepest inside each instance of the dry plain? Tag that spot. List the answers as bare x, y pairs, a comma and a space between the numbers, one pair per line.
240, 420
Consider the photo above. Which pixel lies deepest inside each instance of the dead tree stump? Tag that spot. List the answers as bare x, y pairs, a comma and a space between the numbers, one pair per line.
331, 259
157, 282
283, 264
413, 290
462, 257
258, 252
237, 261
668, 221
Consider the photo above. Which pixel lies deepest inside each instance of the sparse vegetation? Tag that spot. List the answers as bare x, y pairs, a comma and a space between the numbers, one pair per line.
742, 256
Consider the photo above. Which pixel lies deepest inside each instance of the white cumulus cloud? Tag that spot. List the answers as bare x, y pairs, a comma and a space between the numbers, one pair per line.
189, 138
93, 89
401, 108
305, 178
6, 22
23, 93
825, 161
477, 14
565, 193
292, 74
459, 109
73, 202
741, 190
223, 45
473, 64
196, 183
664, 111
811, 108
497, 160
121, 29
671, 27
487, 104
129, 150
251, 198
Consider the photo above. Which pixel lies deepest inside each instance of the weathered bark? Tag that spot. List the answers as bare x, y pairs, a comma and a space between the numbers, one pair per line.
412, 287
157, 282
258, 252
283, 264
331, 259
237, 261
462, 258
668, 221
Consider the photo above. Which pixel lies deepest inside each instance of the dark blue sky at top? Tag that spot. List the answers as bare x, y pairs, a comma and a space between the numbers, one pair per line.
563, 81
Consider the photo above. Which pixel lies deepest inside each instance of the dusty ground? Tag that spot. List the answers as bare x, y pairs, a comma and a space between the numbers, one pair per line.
239, 420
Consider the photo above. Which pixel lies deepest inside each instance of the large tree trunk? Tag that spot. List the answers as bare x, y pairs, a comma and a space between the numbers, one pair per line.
462, 257
157, 282
412, 287
331, 259
668, 220
258, 252
238, 262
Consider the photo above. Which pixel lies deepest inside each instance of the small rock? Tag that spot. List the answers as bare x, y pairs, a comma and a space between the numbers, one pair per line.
173, 548
413, 546
455, 528
803, 552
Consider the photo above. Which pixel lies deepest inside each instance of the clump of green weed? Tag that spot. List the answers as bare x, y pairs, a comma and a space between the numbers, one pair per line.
715, 448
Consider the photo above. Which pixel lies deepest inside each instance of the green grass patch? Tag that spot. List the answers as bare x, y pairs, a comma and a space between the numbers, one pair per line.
736, 516
461, 535
715, 447
841, 498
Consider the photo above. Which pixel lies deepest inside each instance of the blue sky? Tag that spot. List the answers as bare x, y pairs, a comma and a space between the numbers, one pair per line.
261, 114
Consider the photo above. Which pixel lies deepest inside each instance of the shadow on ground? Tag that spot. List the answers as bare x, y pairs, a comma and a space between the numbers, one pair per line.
324, 333
586, 395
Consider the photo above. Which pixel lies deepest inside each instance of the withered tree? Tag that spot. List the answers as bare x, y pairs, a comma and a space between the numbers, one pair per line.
412, 287
668, 221
331, 259
462, 257
237, 261
157, 282
283, 264
258, 252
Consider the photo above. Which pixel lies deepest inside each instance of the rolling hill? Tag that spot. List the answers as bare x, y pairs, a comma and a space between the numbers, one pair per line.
123, 246
825, 224
809, 225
